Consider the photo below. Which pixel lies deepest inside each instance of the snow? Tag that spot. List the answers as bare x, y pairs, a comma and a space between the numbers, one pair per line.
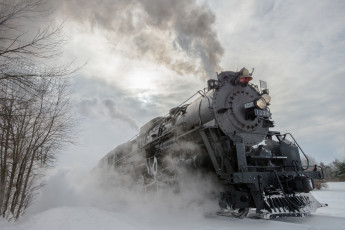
78, 199
334, 196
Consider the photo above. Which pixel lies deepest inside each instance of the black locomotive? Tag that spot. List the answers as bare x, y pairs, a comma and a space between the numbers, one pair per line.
228, 127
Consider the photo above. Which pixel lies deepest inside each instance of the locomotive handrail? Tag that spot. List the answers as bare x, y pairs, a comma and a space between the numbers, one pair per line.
305, 155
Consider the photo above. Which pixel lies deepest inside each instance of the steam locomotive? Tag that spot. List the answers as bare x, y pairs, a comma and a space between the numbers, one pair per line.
226, 132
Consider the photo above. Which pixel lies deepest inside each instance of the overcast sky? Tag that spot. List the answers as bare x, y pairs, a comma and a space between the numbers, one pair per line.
145, 57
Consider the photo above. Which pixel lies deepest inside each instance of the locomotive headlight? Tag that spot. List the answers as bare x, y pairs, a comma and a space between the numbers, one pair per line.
266, 97
261, 103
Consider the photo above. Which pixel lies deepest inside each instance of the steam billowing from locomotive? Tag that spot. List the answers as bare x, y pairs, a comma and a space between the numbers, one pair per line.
226, 132
178, 34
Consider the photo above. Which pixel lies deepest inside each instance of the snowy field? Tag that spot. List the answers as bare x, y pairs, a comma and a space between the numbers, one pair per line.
77, 199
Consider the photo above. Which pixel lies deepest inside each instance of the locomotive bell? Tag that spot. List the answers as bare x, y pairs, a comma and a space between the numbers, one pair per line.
245, 73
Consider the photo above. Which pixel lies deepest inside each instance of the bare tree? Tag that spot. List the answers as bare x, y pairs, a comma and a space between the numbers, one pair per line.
35, 118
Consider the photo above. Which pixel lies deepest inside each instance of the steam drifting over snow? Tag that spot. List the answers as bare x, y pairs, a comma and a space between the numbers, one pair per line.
117, 192
80, 199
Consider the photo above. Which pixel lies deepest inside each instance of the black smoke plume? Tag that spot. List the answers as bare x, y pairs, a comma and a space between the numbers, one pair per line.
178, 34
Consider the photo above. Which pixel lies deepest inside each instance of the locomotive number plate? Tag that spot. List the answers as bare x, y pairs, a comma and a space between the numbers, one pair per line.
262, 113
249, 105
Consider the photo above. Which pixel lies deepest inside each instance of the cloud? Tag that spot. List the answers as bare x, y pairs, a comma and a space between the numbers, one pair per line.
118, 114
105, 108
179, 34
298, 48
101, 100
86, 105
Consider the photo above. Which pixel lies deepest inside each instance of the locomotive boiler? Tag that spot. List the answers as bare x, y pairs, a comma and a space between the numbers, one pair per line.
226, 131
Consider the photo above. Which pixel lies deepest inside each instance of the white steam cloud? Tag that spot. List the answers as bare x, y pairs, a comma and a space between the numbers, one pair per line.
178, 34
118, 193
123, 190
179, 185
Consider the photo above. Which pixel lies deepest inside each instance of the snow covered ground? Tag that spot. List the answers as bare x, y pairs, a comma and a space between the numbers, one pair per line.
77, 199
